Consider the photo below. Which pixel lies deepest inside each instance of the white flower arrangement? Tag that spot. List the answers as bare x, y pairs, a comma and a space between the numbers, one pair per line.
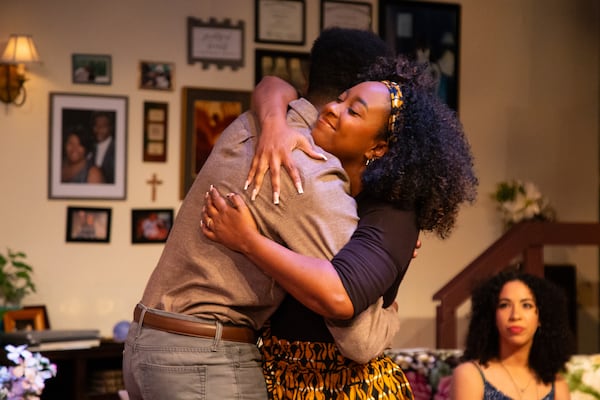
583, 377
25, 380
521, 201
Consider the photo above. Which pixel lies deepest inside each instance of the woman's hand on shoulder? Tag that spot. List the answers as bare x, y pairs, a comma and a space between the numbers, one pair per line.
276, 141
467, 383
274, 149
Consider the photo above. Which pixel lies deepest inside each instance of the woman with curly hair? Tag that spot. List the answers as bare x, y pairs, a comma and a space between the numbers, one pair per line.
517, 342
410, 167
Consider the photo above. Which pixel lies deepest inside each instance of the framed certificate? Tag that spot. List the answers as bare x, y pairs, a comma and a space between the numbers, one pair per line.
280, 21
346, 14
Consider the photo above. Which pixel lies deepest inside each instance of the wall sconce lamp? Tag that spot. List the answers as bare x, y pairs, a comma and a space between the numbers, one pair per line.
19, 50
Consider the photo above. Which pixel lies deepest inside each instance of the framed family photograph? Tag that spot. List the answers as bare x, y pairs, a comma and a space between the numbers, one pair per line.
429, 33
346, 14
87, 146
155, 131
212, 42
151, 225
292, 67
88, 224
280, 21
205, 114
156, 75
95, 69
26, 319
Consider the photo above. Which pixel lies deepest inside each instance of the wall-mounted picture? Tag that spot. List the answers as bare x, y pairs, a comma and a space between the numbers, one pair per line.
151, 225
292, 67
205, 114
156, 75
346, 14
155, 131
212, 42
429, 33
26, 319
95, 69
87, 151
280, 21
88, 224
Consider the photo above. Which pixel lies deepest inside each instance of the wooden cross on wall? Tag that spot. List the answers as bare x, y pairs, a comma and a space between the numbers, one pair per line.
154, 182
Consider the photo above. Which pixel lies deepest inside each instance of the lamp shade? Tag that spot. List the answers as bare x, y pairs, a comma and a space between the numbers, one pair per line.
20, 49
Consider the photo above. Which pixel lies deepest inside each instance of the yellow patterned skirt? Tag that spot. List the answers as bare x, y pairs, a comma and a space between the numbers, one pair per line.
317, 371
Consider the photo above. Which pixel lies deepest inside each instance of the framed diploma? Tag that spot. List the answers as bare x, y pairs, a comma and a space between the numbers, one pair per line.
346, 14
280, 21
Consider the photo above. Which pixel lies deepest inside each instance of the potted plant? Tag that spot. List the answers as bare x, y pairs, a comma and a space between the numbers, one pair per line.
15, 278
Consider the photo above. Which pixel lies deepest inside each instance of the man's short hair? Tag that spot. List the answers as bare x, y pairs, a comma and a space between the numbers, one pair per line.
338, 58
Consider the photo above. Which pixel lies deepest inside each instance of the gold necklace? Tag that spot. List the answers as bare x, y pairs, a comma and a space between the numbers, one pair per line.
519, 390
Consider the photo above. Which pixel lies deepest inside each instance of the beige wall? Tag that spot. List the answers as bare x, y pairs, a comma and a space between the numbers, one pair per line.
529, 101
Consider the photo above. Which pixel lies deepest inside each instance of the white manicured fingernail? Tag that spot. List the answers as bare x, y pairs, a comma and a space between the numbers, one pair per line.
254, 194
275, 198
246, 185
299, 188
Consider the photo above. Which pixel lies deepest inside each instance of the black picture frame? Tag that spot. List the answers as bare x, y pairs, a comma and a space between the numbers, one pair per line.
75, 113
346, 14
151, 225
91, 69
292, 67
430, 32
206, 112
213, 42
280, 21
88, 224
156, 118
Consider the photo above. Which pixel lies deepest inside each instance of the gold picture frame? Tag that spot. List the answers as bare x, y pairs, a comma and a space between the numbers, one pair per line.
25, 319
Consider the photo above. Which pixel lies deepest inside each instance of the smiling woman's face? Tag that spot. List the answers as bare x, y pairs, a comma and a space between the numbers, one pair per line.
517, 315
350, 126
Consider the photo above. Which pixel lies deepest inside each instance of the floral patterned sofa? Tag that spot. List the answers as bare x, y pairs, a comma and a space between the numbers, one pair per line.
429, 372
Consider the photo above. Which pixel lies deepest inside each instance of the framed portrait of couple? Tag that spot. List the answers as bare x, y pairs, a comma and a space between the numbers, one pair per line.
87, 146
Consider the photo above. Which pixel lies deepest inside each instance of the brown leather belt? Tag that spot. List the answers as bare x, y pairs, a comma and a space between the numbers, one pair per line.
194, 328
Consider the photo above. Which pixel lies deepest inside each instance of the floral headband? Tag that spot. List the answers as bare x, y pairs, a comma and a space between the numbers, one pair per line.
396, 102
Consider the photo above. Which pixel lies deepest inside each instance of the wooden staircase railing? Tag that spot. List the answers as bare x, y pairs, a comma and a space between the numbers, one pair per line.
525, 239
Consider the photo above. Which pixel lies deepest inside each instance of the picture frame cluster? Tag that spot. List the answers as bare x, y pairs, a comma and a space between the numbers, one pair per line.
83, 166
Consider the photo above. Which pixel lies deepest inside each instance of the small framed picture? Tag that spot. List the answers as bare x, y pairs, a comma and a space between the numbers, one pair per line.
292, 67
155, 131
156, 75
86, 224
346, 14
26, 319
95, 69
151, 225
212, 42
280, 21
88, 138
206, 113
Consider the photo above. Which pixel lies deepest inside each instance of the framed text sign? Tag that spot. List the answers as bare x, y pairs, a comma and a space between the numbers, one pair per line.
219, 43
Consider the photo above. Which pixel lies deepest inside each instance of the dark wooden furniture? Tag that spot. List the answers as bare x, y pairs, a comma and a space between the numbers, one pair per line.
80, 373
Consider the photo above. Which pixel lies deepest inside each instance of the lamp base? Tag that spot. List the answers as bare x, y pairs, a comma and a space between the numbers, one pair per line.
11, 83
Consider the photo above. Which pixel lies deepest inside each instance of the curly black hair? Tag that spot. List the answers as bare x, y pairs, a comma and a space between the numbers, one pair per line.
553, 341
428, 167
